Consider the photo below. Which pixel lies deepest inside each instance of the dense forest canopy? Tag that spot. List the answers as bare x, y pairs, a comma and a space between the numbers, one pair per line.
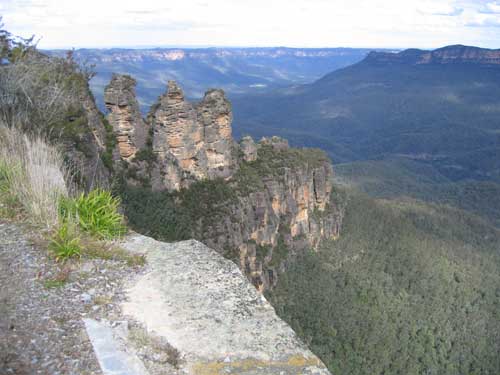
409, 288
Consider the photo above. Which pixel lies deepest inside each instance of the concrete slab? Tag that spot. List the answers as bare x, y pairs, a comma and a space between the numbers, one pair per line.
111, 354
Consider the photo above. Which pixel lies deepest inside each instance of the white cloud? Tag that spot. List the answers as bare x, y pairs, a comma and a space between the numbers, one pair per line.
439, 8
491, 8
370, 23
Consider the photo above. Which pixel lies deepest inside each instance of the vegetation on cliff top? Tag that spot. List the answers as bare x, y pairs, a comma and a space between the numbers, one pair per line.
190, 213
41, 109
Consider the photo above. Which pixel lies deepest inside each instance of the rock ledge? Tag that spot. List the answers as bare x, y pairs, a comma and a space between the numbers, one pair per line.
206, 308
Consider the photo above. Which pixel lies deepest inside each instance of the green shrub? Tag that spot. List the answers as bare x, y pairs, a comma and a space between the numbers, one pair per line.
65, 242
96, 213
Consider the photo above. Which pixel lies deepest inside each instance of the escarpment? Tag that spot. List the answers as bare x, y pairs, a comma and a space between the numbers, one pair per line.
282, 206
257, 203
456, 54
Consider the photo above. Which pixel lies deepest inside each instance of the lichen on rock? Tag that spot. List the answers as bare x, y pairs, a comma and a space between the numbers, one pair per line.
205, 307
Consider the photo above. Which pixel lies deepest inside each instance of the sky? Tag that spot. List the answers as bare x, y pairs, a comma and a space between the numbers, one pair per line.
292, 23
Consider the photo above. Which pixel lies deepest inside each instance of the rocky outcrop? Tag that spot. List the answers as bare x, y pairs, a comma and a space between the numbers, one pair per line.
279, 199
205, 308
456, 54
183, 142
86, 156
248, 148
290, 212
125, 117
192, 142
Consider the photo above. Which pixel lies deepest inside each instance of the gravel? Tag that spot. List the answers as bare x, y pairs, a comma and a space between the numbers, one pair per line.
41, 327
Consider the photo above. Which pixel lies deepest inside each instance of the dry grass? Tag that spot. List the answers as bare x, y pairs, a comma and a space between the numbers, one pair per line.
141, 338
37, 176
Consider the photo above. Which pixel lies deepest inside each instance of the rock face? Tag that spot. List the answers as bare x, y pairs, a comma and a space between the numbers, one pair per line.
292, 209
88, 162
287, 208
248, 148
204, 307
125, 116
196, 139
456, 54
185, 142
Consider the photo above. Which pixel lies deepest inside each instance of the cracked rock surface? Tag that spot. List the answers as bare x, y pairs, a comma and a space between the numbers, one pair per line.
206, 308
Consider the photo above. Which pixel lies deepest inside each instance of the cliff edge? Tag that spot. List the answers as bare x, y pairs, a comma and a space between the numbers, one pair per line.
203, 305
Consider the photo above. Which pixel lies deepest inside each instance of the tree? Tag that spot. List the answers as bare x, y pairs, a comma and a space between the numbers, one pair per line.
13, 47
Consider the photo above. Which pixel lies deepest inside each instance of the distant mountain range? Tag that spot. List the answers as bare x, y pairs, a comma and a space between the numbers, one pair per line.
437, 107
457, 54
236, 70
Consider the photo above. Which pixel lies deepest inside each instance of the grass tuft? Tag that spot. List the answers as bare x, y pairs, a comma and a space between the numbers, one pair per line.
65, 242
96, 213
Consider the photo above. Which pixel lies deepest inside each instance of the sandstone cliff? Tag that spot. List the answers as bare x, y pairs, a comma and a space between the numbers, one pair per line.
185, 142
125, 116
286, 210
272, 200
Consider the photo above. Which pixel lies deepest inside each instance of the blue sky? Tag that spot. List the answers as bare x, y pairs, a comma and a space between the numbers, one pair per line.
294, 23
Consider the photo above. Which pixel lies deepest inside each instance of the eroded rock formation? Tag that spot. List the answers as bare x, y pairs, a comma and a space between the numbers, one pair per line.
196, 137
248, 148
125, 116
186, 142
291, 211
282, 204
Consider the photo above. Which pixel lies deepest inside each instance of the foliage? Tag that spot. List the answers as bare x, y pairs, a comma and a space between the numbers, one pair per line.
96, 212
9, 202
280, 252
65, 242
146, 154
52, 284
174, 216
408, 288
261, 251
13, 48
272, 162
42, 95
396, 178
